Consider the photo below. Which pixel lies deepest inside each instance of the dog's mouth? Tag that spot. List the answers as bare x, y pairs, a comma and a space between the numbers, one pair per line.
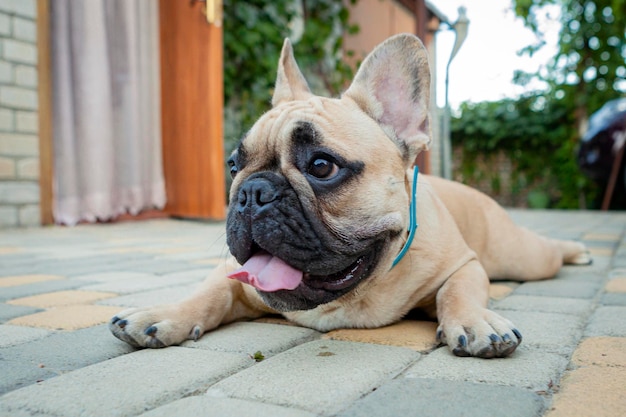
344, 279
286, 288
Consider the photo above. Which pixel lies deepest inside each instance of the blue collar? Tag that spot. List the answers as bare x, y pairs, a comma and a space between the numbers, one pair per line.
412, 219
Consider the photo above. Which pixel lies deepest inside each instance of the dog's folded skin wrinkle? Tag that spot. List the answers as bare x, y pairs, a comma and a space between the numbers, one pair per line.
319, 209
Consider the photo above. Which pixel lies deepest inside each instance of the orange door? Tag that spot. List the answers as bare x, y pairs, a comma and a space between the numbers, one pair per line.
192, 110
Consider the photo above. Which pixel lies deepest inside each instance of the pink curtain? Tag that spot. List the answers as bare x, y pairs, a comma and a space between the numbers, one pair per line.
106, 108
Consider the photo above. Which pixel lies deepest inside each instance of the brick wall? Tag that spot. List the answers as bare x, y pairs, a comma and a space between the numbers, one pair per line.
19, 149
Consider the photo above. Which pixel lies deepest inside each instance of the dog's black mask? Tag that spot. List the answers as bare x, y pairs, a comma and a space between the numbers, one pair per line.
267, 215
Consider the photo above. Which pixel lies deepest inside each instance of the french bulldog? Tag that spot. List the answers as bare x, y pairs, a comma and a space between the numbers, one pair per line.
318, 222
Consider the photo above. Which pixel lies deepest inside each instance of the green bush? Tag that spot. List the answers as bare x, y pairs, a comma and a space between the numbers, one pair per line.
537, 135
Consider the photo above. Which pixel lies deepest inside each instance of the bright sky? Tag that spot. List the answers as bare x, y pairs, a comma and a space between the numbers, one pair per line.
484, 66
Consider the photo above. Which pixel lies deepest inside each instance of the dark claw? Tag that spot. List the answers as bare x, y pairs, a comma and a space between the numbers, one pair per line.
460, 349
115, 319
461, 352
506, 338
196, 334
495, 338
518, 335
439, 334
151, 331
122, 323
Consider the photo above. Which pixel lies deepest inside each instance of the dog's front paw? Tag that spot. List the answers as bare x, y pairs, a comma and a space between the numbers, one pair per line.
483, 334
154, 327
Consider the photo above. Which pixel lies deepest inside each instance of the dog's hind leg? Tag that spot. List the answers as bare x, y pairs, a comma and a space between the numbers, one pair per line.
504, 249
521, 254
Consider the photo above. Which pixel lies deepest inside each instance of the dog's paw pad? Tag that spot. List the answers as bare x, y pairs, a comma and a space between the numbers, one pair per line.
489, 337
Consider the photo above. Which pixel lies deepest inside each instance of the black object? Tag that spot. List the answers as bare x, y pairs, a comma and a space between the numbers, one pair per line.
600, 155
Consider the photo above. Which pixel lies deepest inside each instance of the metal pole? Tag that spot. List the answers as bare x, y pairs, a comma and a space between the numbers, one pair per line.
460, 31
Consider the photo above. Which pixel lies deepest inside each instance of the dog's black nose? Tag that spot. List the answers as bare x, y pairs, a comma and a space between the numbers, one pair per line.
257, 193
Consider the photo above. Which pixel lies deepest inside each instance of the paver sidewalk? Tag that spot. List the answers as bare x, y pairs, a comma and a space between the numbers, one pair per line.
59, 287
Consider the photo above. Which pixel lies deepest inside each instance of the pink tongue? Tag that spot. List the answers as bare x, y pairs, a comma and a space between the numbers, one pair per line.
268, 273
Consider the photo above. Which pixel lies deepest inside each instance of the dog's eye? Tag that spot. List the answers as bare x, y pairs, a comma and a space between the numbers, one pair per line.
322, 168
233, 168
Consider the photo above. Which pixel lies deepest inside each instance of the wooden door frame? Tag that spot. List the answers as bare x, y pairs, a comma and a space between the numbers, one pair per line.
192, 103
44, 92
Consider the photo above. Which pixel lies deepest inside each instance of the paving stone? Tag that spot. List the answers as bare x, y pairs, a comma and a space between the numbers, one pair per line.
8, 312
68, 317
548, 332
15, 335
144, 284
74, 268
530, 369
602, 237
601, 351
411, 334
594, 272
115, 276
223, 407
574, 306
605, 399
607, 321
20, 258
616, 285
499, 291
427, 397
13, 281
600, 251
62, 298
144, 380
617, 273
152, 298
208, 261
160, 266
57, 354
619, 260
188, 256
613, 299
40, 288
6, 250
557, 288
294, 378
249, 338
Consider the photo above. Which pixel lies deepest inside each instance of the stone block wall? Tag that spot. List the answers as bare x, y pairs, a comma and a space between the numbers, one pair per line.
19, 146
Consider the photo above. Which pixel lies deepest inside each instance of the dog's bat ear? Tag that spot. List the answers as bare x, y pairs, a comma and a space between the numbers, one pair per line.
392, 86
290, 83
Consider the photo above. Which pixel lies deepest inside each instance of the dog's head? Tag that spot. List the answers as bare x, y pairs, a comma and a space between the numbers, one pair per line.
319, 200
